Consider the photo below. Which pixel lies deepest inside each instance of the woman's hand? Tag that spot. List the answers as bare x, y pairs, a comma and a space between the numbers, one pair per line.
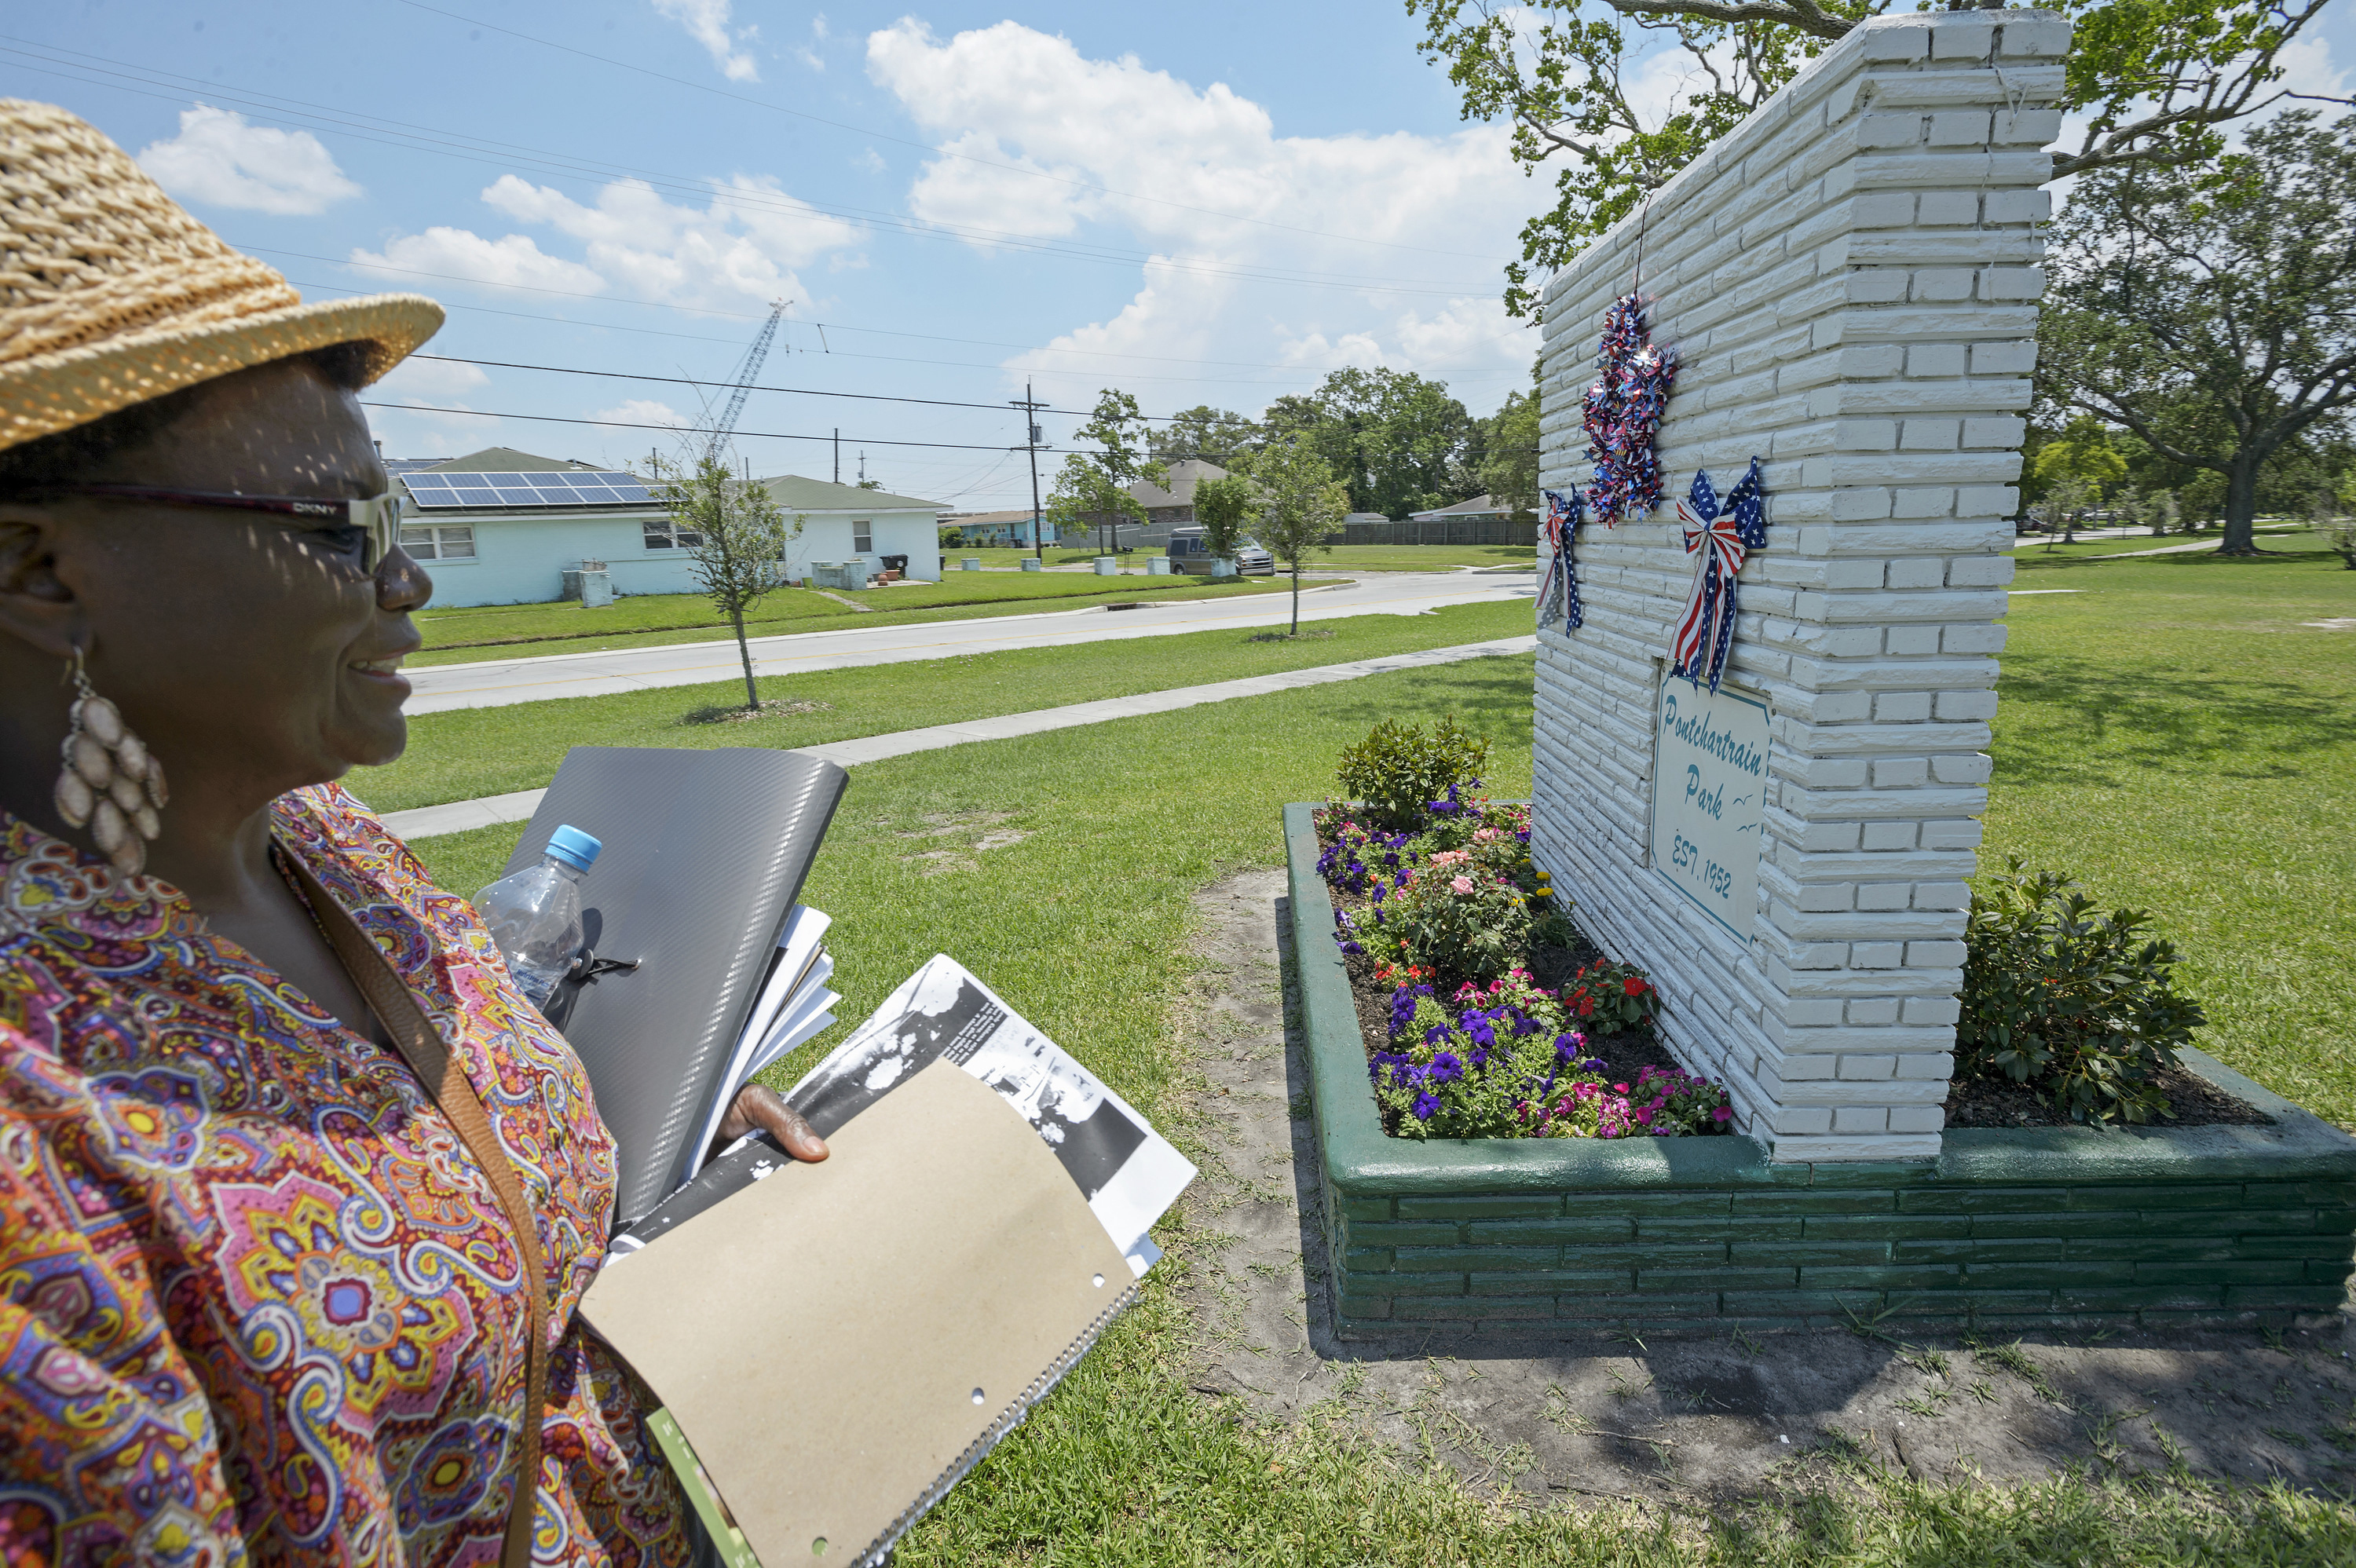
758, 1106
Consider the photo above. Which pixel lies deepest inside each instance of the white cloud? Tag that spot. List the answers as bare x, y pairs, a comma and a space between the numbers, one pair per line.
706, 22
1220, 200
2308, 68
414, 431
220, 160
644, 410
430, 381
740, 249
513, 262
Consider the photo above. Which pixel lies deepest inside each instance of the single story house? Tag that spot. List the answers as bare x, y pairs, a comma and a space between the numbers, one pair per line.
1172, 503
502, 526
991, 528
1478, 507
843, 522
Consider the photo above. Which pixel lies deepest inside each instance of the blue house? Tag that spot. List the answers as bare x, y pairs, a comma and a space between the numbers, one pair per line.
502, 526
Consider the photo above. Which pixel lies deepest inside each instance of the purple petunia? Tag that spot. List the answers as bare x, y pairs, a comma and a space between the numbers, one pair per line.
1446, 1069
1425, 1104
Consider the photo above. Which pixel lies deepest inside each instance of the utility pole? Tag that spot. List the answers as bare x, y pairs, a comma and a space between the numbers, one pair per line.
1030, 407
837, 455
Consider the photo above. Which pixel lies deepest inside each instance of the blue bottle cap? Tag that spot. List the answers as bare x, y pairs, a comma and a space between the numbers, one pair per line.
574, 847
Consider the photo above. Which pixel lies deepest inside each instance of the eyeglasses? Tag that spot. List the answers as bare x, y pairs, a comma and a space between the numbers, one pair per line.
377, 516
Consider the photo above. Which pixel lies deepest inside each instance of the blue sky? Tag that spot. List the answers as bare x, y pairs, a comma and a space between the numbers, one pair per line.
1209, 203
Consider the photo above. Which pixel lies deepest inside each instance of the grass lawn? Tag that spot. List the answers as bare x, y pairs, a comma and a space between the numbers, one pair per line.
522, 631
2178, 738
1083, 922
469, 753
2042, 547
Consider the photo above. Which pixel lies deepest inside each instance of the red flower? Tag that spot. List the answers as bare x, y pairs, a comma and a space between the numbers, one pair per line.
1633, 985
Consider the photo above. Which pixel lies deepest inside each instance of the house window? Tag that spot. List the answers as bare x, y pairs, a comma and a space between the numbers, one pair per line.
863, 539
664, 533
439, 541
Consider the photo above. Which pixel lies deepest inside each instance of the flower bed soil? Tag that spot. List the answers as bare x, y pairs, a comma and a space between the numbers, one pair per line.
2008, 1228
2001, 1102
1624, 1055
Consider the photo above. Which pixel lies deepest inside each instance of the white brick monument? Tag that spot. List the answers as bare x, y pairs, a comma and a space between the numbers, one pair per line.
1850, 282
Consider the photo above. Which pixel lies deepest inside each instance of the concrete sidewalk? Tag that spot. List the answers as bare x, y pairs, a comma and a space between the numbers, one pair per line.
458, 815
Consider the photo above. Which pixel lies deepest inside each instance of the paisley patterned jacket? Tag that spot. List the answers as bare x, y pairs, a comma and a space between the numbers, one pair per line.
258, 1304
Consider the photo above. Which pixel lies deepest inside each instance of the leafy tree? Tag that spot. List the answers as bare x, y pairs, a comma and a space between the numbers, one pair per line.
1215, 435
1509, 469
2153, 82
1120, 460
2213, 314
1082, 495
1394, 437
735, 532
2073, 468
1299, 505
1221, 506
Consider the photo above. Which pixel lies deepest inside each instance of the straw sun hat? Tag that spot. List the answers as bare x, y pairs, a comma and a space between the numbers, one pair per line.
111, 294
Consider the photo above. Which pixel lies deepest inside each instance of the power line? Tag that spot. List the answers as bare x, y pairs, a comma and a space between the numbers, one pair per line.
782, 435
676, 429
930, 338
932, 151
756, 386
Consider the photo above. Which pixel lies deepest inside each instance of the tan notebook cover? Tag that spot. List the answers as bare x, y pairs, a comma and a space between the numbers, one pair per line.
840, 1342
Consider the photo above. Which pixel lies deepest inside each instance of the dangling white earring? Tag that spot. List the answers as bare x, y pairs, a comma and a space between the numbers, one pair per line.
109, 783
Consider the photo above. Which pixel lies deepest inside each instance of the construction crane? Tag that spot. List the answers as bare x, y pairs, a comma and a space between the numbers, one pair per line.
741, 379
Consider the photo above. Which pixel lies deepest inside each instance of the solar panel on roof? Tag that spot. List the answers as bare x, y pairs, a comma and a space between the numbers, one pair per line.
571, 488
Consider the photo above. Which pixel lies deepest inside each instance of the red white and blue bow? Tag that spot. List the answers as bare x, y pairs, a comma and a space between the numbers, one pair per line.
1705, 632
1561, 597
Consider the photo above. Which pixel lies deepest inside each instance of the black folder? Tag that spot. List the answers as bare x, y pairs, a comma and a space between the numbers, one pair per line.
704, 854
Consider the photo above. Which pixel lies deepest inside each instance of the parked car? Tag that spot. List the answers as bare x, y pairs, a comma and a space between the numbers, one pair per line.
1253, 561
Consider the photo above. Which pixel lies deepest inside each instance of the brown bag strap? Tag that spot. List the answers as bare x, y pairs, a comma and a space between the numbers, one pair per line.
447, 1080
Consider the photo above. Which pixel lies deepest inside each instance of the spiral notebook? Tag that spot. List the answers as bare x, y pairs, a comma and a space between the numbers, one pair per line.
836, 1345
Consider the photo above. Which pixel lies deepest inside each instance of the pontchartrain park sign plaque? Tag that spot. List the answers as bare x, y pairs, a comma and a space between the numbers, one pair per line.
1710, 783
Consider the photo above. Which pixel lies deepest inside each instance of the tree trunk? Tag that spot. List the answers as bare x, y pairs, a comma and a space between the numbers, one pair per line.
2241, 506
745, 651
1296, 596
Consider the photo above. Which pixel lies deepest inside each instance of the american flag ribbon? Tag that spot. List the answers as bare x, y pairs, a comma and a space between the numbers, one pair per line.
1705, 634
1561, 594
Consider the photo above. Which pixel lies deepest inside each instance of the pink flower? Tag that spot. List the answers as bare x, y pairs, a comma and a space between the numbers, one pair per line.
1461, 886
1723, 1113
1485, 836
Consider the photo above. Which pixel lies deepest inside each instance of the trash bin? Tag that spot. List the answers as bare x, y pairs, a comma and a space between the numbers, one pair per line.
898, 563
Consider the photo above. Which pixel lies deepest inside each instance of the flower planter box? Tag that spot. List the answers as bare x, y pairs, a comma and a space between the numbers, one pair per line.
2006, 1229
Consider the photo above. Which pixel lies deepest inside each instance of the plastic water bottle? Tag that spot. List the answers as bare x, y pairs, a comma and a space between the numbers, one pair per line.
535, 913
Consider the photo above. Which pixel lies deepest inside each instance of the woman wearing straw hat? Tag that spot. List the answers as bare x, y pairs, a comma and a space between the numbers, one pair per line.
297, 1192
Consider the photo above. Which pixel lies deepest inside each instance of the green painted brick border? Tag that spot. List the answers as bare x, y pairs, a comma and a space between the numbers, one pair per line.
2046, 1225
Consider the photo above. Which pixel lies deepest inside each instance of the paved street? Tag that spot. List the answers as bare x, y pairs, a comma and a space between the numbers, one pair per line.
494, 683
455, 817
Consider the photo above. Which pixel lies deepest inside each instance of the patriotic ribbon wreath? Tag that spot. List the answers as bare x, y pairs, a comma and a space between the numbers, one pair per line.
1622, 415
1561, 596
1706, 632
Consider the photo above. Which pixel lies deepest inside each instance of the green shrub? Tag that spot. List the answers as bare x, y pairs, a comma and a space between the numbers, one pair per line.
2080, 1005
1399, 770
